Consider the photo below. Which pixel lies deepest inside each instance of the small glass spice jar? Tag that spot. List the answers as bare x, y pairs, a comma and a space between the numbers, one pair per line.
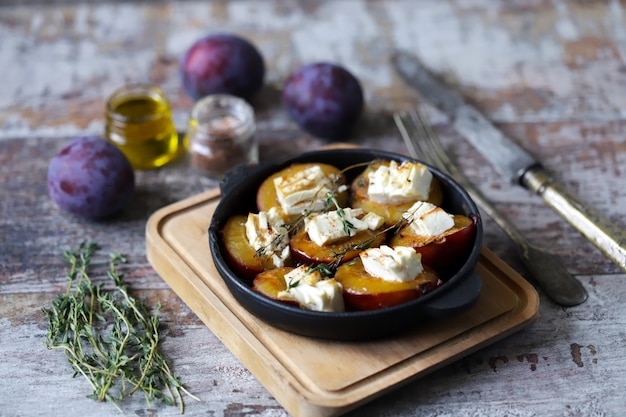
220, 134
139, 122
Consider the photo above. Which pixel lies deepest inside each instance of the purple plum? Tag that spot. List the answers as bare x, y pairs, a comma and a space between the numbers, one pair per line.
222, 64
89, 177
325, 99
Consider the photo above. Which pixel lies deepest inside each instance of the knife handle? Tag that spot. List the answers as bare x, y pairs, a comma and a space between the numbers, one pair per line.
545, 268
602, 232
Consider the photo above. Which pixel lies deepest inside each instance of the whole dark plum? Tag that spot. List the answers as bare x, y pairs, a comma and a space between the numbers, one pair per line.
222, 64
325, 99
91, 178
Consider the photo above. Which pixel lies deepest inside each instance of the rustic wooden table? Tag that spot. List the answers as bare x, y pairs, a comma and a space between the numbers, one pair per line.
552, 74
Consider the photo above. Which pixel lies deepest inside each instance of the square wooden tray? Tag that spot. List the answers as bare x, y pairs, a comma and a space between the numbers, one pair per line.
312, 377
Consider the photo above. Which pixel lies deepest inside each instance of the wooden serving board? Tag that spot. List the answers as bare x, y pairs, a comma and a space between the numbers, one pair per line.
313, 377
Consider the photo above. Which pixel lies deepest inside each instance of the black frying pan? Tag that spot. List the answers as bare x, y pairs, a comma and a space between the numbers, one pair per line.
459, 292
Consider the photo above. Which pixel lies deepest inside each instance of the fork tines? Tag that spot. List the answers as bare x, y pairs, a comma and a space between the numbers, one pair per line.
422, 141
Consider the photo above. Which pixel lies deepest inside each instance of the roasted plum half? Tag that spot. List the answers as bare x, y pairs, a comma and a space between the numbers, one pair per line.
445, 251
271, 282
304, 250
391, 212
362, 291
242, 257
267, 195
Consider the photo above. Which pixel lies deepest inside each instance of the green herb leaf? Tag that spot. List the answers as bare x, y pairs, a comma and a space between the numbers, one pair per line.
109, 337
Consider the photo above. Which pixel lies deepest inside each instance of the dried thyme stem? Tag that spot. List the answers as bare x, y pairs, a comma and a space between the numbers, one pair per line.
109, 337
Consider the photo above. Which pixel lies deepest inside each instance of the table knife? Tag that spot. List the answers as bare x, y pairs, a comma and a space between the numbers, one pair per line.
511, 160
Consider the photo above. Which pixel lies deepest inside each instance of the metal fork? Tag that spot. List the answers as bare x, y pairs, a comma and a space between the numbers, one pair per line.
546, 269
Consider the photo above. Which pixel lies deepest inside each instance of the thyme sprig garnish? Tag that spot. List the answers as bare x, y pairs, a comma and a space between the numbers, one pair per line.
365, 244
326, 270
109, 337
293, 284
294, 226
331, 202
290, 229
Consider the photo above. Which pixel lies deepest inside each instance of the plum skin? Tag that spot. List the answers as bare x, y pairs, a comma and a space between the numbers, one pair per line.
91, 178
222, 64
324, 98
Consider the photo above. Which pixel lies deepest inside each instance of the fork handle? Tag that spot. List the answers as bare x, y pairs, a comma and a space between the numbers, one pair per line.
562, 287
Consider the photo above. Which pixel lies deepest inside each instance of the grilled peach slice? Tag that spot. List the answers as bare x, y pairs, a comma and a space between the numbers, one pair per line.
444, 251
240, 255
362, 291
268, 198
304, 250
271, 282
391, 212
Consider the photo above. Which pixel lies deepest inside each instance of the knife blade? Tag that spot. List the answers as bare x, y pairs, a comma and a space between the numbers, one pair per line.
511, 160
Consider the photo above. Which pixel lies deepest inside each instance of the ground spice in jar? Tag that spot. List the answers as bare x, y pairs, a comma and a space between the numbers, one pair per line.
220, 134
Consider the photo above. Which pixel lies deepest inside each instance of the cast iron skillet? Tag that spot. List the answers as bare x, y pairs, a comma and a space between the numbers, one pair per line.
456, 295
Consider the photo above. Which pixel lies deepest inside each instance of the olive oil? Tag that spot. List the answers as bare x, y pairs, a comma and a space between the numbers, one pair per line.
139, 122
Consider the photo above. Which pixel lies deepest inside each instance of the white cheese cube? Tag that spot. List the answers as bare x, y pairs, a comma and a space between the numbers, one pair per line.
399, 183
331, 226
306, 190
399, 264
303, 274
266, 231
426, 219
373, 221
312, 291
324, 228
326, 295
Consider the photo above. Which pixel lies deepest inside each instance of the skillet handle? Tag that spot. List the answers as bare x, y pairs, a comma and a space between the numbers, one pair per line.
235, 175
457, 300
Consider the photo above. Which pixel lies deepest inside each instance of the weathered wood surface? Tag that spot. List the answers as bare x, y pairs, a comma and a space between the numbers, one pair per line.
552, 74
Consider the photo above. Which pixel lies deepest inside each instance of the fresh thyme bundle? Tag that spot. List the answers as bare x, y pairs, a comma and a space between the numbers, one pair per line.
109, 337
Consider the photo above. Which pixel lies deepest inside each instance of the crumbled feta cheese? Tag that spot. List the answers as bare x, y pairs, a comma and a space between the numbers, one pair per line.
313, 291
399, 264
399, 183
331, 226
428, 220
266, 231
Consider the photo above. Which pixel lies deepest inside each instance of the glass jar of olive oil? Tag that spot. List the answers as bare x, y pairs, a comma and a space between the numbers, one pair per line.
139, 122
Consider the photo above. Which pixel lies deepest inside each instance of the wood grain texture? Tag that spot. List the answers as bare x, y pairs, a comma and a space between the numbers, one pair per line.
551, 74
312, 377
